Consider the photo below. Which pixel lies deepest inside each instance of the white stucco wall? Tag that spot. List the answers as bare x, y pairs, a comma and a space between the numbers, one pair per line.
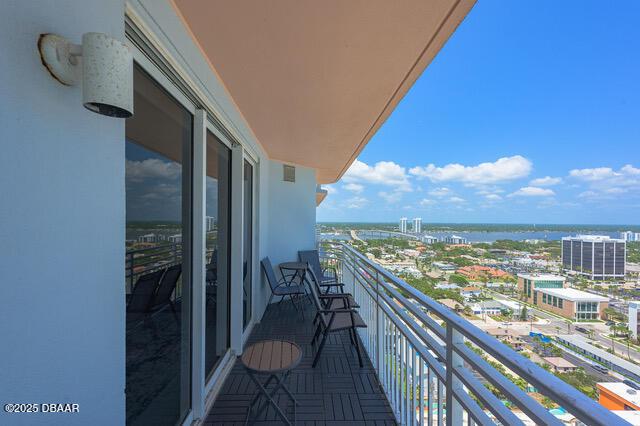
292, 213
61, 226
62, 214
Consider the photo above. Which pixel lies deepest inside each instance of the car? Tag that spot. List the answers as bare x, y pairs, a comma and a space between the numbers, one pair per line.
600, 368
631, 384
581, 329
610, 323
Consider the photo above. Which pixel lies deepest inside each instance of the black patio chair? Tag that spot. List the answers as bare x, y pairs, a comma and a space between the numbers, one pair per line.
330, 300
142, 295
281, 287
334, 320
166, 288
326, 281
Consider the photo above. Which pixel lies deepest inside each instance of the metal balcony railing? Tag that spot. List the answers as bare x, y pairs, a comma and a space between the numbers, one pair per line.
425, 359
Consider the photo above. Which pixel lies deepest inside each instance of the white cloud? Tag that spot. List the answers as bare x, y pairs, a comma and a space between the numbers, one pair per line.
605, 182
440, 192
354, 187
426, 202
382, 173
595, 174
152, 168
390, 197
493, 197
546, 181
532, 191
357, 202
503, 169
457, 200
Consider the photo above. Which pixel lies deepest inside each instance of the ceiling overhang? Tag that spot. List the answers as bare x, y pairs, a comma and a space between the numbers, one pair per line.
316, 79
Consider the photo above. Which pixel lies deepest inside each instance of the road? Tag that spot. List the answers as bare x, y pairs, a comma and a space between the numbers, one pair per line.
556, 325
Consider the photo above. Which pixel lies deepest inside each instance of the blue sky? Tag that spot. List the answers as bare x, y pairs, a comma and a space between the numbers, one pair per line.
529, 114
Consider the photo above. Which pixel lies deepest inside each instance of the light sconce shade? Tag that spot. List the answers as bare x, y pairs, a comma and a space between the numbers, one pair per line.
106, 70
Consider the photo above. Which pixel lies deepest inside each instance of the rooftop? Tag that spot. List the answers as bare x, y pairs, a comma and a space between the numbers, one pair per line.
594, 238
542, 277
560, 362
573, 294
583, 343
622, 390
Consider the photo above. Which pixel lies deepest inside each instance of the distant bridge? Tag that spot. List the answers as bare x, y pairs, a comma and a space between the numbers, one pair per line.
383, 234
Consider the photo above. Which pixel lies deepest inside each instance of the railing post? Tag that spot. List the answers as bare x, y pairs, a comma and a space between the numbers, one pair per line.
379, 330
454, 409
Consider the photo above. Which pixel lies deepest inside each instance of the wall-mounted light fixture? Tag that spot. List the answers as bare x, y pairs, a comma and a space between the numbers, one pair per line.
102, 63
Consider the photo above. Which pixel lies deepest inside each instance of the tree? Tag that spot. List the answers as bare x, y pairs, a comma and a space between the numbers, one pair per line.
523, 313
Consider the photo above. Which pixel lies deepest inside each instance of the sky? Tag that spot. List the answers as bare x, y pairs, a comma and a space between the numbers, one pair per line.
529, 114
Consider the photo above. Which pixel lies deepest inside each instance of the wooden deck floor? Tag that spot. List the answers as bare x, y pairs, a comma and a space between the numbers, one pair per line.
336, 392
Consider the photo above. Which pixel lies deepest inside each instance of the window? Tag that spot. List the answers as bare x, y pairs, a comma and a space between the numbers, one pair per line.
158, 234
560, 303
544, 298
217, 246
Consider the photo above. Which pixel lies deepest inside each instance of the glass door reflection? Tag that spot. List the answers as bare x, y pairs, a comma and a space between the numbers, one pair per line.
217, 228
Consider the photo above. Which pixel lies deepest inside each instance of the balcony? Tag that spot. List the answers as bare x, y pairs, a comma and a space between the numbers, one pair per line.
423, 365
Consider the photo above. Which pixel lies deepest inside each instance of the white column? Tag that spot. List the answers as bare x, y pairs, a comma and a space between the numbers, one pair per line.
198, 262
237, 164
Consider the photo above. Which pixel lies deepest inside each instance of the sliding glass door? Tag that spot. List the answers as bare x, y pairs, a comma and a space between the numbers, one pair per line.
247, 246
217, 243
158, 234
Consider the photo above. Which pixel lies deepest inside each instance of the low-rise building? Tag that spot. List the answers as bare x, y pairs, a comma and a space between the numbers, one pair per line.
549, 292
572, 303
559, 364
477, 272
468, 292
508, 335
488, 307
618, 396
582, 345
444, 266
447, 286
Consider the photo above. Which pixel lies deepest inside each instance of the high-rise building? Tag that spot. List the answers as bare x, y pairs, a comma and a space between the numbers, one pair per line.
598, 257
403, 225
630, 236
454, 239
417, 225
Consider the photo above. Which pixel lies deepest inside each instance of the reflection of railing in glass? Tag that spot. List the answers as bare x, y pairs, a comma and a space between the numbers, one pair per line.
149, 259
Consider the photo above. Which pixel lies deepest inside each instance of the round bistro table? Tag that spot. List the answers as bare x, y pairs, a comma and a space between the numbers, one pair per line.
275, 359
295, 269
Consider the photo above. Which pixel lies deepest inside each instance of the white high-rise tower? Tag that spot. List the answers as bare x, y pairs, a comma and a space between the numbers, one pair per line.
417, 225
403, 225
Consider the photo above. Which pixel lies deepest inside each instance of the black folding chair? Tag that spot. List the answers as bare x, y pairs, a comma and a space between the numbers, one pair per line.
142, 295
280, 287
330, 300
166, 288
326, 281
334, 320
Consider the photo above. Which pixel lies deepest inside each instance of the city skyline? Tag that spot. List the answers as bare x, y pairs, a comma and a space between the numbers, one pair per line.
489, 134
